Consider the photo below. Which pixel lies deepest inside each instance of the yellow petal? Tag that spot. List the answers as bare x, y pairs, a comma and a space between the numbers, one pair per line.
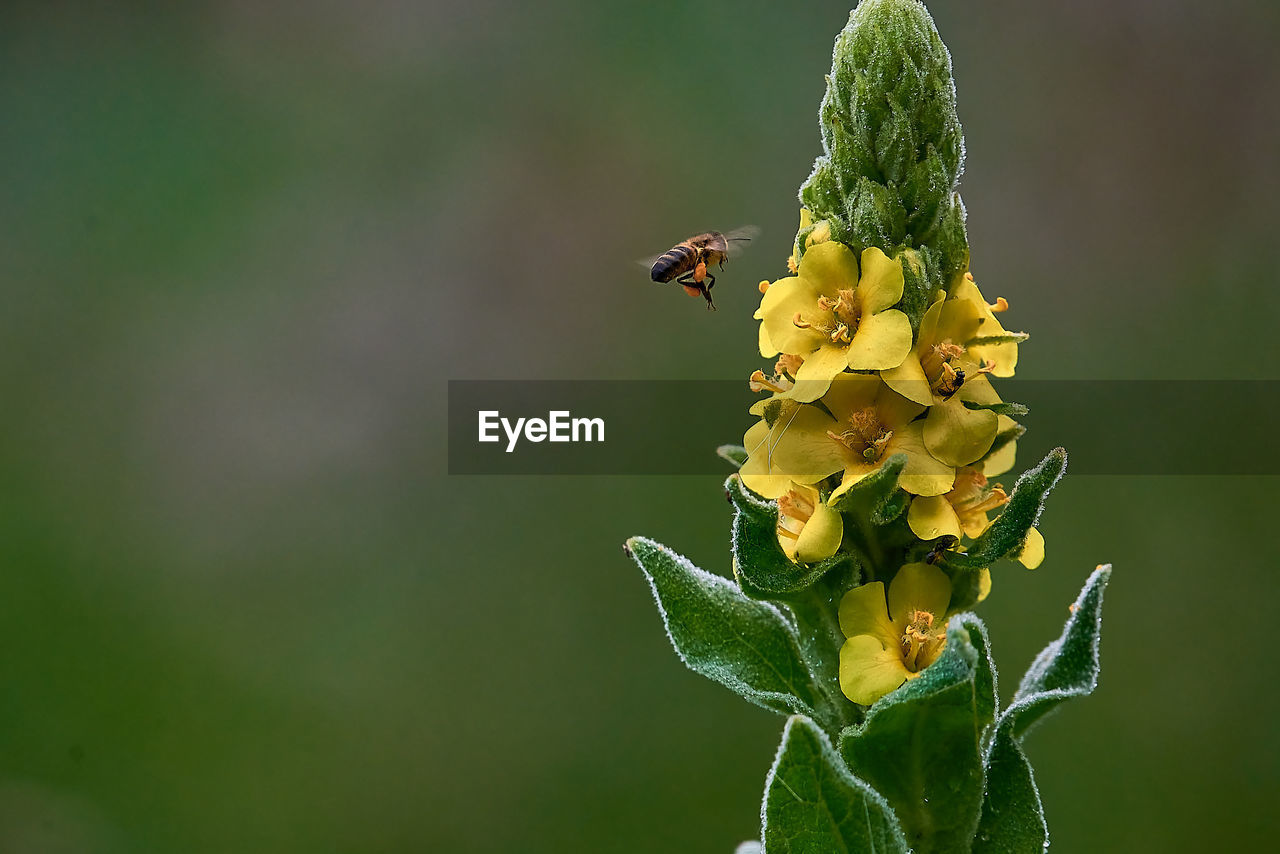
821, 535
932, 516
894, 410
756, 473
1004, 357
908, 380
864, 610
882, 341
919, 587
881, 283
957, 435
1000, 461
767, 350
802, 450
923, 475
850, 393
958, 320
1032, 553
784, 299
984, 584
868, 671
928, 335
829, 267
815, 375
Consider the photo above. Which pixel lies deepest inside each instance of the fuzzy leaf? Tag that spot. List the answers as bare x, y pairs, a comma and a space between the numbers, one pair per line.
1012, 816
877, 494
762, 569
1013, 410
813, 805
921, 746
1008, 533
745, 645
735, 454
749, 848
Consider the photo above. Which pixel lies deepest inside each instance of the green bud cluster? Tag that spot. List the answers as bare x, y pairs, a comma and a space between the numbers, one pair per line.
893, 149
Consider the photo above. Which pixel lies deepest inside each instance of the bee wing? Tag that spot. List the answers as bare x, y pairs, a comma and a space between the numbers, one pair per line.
747, 232
648, 263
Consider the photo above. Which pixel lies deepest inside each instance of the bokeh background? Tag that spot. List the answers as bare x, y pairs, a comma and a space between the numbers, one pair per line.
245, 245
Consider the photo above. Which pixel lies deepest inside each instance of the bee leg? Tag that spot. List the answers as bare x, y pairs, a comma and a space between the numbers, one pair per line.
706, 291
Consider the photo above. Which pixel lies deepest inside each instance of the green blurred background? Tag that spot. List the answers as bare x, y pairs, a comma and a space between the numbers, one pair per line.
245, 245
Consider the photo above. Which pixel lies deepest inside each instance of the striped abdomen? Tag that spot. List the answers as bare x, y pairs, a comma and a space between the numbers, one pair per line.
676, 261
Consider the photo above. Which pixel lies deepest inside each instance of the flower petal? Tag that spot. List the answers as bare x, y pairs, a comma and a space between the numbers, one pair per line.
756, 473
957, 435
998, 462
894, 410
932, 516
1032, 553
882, 341
881, 283
850, 393
1004, 357
864, 610
781, 303
820, 536
815, 374
923, 475
767, 350
829, 266
908, 380
868, 671
919, 587
801, 448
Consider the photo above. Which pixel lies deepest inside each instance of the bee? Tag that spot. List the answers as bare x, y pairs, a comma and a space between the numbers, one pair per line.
689, 259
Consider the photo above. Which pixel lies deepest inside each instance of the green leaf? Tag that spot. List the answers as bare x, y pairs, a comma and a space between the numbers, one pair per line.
877, 495
1007, 338
745, 645
735, 454
1012, 816
1008, 533
921, 746
813, 805
1013, 410
761, 567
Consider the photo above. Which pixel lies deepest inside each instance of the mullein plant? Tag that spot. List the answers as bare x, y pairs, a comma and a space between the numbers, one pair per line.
867, 518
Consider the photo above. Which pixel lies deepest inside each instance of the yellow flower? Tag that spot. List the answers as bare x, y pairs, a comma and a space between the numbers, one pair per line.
1000, 355
867, 423
943, 373
836, 317
809, 530
962, 511
889, 643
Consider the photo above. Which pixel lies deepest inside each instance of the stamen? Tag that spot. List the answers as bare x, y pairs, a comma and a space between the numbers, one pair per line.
764, 285
759, 382
1001, 304
799, 322
788, 365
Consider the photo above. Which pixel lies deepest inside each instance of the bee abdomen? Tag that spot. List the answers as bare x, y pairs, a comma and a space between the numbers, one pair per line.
673, 262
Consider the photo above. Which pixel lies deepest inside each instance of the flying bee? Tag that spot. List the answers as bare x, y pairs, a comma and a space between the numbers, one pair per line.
688, 261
